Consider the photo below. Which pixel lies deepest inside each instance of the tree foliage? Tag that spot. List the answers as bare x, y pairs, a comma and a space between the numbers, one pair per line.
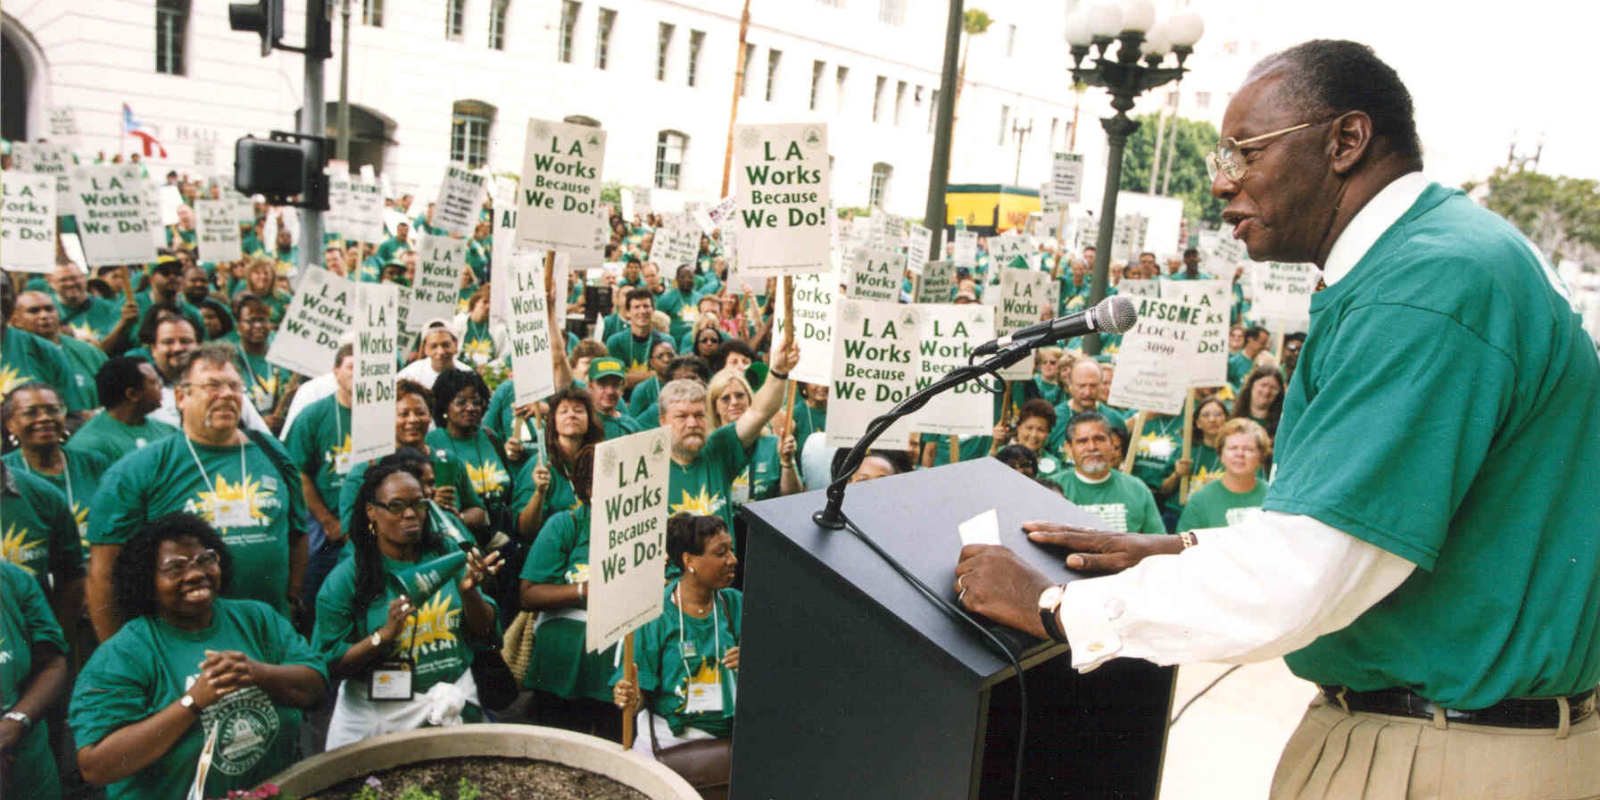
1560, 214
1189, 179
975, 21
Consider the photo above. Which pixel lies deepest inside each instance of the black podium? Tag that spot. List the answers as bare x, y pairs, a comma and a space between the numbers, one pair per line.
853, 684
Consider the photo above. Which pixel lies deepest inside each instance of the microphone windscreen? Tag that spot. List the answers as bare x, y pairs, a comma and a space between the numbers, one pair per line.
1114, 314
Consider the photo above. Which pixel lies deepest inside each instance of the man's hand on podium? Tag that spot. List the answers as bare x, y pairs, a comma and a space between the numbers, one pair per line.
991, 580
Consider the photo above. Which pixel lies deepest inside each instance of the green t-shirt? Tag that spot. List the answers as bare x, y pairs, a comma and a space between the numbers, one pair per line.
676, 649
1239, 366
253, 483
96, 317
26, 622
189, 312
1444, 410
1206, 469
704, 486
1051, 393
1056, 443
560, 664
650, 418
643, 398
149, 664
477, 346
808, 420
263, 381
682, 309
317, 441
112, 438
1160, 444
620, 425
83, 360
480, 455
1121, 501
1217, 506
77, 483
38, 533
466, 496
25, 358
434, 636
559, 497
760, 478
634, 352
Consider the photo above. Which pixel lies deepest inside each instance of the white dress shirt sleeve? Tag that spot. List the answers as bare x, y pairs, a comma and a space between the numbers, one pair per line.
1251, 592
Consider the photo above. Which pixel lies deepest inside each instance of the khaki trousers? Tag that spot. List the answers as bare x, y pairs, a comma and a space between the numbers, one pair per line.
1340, 754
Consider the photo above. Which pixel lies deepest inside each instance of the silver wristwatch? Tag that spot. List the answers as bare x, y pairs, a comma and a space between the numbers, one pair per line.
20, 717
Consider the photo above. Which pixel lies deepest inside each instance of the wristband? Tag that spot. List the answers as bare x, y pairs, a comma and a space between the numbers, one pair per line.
377, 639
782, 376
19, 718
583, 590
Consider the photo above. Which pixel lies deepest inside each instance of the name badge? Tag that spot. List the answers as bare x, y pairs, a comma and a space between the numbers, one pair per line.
390, 680
741, 493
705, 698
690, 652
233, 514
341, 463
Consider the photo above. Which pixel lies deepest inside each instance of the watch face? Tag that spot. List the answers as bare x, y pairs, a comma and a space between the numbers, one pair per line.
1051, 597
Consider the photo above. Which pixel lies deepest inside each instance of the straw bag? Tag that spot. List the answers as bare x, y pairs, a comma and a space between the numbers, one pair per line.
517, 647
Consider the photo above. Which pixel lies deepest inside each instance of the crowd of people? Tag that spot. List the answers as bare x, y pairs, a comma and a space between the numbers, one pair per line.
190, 542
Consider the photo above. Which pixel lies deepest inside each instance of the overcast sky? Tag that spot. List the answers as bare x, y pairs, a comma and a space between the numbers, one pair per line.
1479, 72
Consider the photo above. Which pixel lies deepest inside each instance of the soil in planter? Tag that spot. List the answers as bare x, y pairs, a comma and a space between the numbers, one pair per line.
496, 779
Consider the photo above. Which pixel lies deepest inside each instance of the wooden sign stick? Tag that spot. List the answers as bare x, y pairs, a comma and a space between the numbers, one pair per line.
1005, 405
1188, 442
630, 673
955, 448
1133, 442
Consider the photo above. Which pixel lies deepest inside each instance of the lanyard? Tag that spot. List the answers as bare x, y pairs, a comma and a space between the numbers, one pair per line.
244, 475
683, 632
256, 379
66, 472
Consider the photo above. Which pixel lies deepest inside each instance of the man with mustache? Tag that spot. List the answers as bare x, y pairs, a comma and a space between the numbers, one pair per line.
240, 481
1122, 501
1424, 554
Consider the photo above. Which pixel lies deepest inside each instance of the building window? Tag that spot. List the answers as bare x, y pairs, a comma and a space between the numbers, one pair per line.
892, 12
569, 25
840, 75
1005, 117
172, 23
372, 13
670, 147
602, 38
663, 46
470, 123
817, 68
899, 101
933, 109
749, 53
1202, 100
1011, 40
455, 12
773, 57
697, 40
877, 97
497, 23
879, 191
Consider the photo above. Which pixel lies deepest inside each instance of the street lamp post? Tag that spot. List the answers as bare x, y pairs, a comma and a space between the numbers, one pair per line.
1020, 133
1131, 24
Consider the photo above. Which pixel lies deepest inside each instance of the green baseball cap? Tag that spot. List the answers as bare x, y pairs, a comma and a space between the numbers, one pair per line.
606, 367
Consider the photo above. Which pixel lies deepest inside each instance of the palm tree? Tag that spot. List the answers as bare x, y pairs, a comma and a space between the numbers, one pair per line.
974, 22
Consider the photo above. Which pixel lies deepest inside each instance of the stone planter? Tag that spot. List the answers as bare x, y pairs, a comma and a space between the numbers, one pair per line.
508, 741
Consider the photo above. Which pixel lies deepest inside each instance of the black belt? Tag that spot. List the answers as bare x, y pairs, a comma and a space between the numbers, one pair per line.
1522, 712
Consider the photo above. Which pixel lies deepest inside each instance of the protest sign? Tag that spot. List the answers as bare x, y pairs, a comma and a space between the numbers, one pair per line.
875, 275
440, 260
560, 188
874, 367
642, 202
1023, 299
782, 198
1214, 299
152, 214
626, 195
1154, 363
51, 159
363, 217
320, 313
405, 325
460, 197
628, 562
712, 217
333, 220
532, 364
919, 243
1066, 178
949, 333
1283, 290
966, 250
109, 202
1128, 235
1007, 246
1230, 251
937, 284
372, 411
205, 155
505, 251
169, 199
675, 247
1139, 287
216, 231
814, 296
28, 222
63, 123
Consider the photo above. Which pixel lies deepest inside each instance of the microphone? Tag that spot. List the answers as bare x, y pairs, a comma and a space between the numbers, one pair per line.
1112, 315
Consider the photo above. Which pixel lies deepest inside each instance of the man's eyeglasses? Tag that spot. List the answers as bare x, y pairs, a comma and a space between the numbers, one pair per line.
179, 566
1228, 157
399, 507
218, 387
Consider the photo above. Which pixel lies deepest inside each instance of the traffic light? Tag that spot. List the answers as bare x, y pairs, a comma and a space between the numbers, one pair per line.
285, 166
264, 17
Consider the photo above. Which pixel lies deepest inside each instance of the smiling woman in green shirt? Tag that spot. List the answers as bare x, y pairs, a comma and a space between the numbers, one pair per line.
186, 655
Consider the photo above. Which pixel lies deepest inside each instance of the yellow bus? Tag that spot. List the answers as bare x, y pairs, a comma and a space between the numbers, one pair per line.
990, 208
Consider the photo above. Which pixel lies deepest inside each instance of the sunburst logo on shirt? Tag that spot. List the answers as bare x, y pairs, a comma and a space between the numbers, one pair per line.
11, 379
435, 622
251, 494
1156, 445
14, 547
478, 350
1201, 477
83, 332
337, 451
487, 477
263, 389
578, 574
706, 675
703, 504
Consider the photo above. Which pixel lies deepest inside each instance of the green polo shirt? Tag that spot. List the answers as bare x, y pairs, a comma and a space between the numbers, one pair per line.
83, 361
1444, 410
